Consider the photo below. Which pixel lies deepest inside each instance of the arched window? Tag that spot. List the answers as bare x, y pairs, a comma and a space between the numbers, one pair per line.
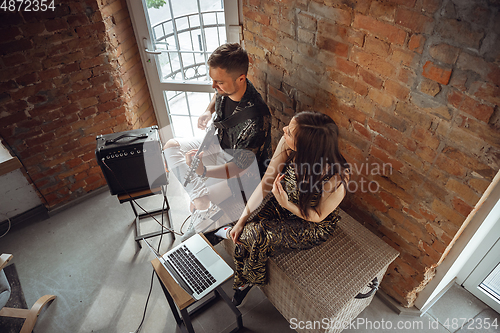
177, 38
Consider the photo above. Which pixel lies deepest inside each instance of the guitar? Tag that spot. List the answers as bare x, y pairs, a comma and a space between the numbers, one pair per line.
196, 160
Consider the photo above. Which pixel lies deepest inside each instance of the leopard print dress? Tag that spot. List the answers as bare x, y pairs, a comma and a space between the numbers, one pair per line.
272, 229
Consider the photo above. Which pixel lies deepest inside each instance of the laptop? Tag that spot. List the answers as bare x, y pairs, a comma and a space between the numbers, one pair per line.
195, 266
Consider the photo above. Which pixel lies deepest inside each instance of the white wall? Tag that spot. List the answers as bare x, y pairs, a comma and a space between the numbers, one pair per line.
4, 154
16, 194
481, 221
486, 237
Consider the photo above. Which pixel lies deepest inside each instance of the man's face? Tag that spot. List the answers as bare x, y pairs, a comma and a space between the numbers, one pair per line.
225, 84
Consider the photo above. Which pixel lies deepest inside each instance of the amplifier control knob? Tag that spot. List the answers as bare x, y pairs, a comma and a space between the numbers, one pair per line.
116, 155
132, 152
125, 153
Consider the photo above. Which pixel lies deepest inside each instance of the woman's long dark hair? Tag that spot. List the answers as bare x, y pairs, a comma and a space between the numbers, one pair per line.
316, 157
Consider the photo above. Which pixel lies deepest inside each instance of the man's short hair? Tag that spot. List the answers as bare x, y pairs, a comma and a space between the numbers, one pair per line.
230, 57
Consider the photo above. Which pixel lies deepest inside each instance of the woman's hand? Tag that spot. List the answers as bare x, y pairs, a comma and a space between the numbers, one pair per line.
279, 192
236, 232
189, 159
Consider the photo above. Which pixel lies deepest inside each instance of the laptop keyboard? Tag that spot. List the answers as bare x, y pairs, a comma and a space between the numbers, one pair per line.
191, 269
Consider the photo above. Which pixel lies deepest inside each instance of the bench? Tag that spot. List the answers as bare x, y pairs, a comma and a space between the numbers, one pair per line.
315, 289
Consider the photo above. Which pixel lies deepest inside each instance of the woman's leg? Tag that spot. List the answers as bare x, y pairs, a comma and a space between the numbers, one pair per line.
270, 237
250, 257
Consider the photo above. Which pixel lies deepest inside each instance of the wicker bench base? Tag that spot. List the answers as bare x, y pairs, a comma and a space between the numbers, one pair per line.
319, 285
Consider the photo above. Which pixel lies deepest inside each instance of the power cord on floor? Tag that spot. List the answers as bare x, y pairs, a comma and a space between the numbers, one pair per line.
146, 306
153, 273
8, 229
182, 225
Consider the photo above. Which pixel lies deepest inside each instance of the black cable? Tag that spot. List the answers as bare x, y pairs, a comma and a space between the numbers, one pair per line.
147, 301
152, 274
182, 225
8, 229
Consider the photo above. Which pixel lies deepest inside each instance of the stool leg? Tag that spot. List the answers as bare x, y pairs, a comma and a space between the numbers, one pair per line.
187, 320
171, 303
236, 311
137, 232
136, 222
169, 216
184, 323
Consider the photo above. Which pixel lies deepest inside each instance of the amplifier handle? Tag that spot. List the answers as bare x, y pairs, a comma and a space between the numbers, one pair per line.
142, 136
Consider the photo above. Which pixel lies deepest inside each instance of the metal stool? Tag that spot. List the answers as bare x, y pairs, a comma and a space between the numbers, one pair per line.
131, 197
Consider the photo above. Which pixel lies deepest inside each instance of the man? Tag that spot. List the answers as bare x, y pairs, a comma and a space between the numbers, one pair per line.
242, 150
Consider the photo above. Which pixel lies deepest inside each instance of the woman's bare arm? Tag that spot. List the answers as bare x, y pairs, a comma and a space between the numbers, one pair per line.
330, 199
275, 166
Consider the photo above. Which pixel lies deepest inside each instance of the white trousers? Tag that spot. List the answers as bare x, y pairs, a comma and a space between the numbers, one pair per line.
216, 189
198, 187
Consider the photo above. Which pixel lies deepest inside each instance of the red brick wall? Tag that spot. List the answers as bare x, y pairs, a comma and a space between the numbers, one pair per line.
66, 76
414, 86
127, 62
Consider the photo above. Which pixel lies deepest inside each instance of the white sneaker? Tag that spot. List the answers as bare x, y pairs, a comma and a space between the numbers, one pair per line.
223, 232
190, 232
202, 221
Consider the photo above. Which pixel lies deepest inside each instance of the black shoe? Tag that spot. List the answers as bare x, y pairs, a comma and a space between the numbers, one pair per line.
239, 295
214, 240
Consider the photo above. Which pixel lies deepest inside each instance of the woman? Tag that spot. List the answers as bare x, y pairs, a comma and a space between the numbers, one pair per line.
307, 176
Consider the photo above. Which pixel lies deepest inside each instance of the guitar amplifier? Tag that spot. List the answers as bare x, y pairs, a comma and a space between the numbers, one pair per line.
131, 161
